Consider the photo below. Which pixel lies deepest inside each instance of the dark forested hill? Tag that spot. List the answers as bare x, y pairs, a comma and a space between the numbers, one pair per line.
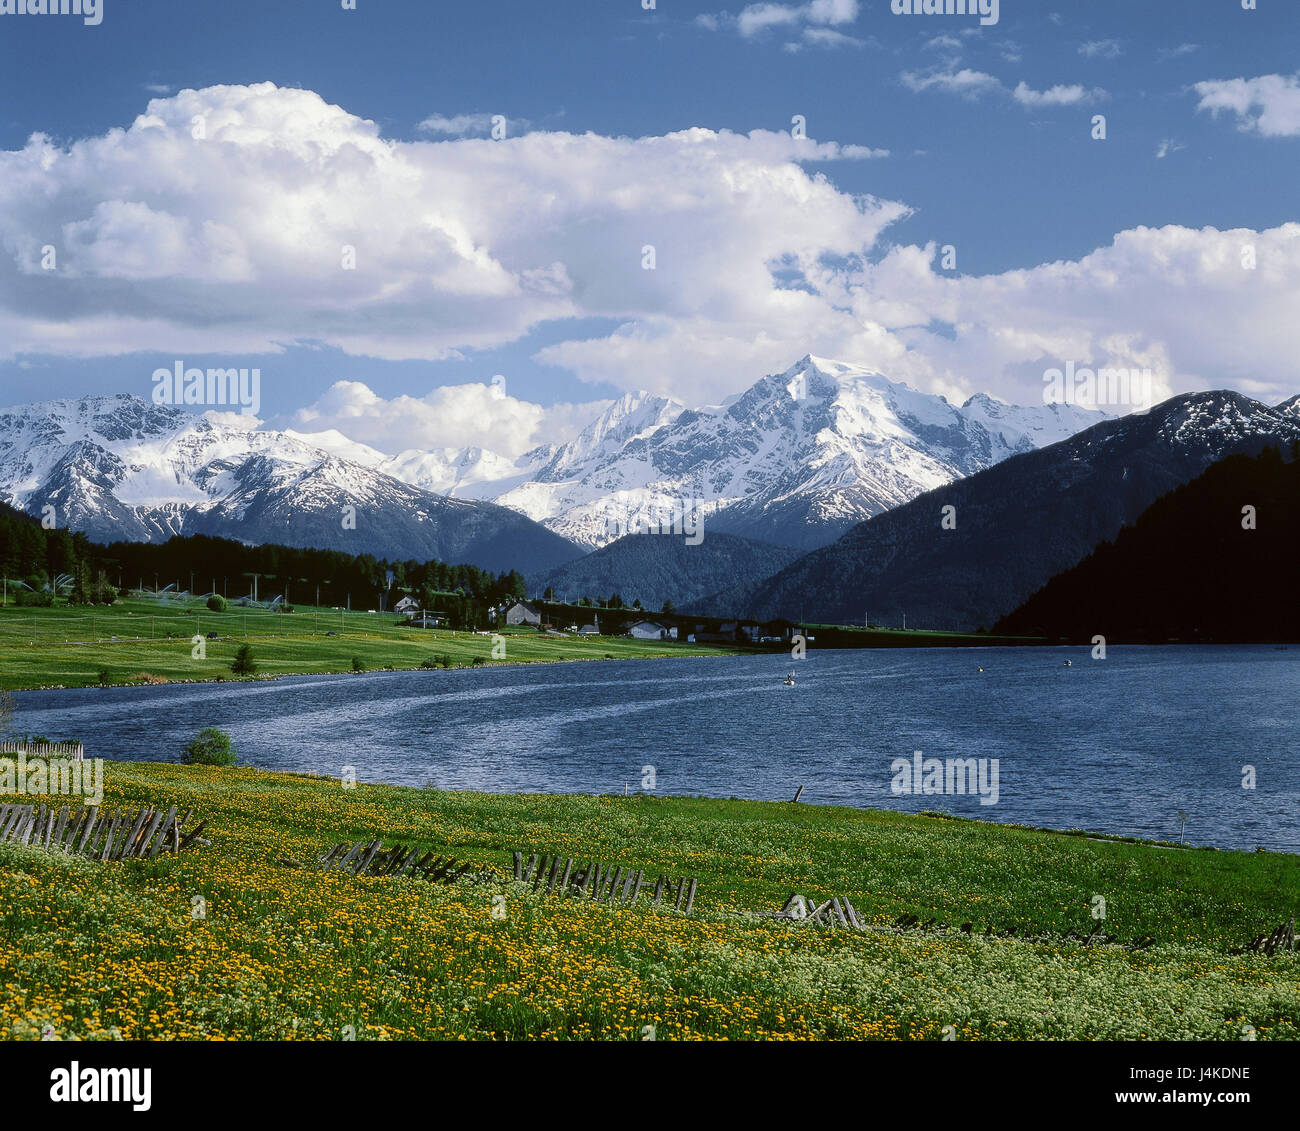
1013, 526
1190, 568
654, 568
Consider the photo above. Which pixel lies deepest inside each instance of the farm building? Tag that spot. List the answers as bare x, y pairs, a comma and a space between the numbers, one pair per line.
647, 630
521, 612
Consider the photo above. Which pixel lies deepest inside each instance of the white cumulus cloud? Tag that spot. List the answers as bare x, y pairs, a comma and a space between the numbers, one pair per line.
238, 219
450, 416
235, 242
1268, 105
755, 19
1059, 95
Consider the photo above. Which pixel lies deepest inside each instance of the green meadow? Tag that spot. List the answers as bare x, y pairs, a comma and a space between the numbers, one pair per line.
117, 950
144, 641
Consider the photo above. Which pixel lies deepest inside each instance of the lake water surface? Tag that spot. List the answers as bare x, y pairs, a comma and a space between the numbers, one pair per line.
1119, 745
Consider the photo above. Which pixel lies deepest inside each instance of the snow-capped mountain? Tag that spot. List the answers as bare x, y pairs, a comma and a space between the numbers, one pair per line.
464, 473
119, 468
1021, 522
796, 459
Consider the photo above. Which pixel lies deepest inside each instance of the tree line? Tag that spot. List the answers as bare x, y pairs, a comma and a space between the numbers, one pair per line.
99, 574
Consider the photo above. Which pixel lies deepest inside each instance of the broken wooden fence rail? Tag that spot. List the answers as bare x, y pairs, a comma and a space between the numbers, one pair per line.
604, 883
370, 858
834, 912
118, 835
838, 911
1269, 943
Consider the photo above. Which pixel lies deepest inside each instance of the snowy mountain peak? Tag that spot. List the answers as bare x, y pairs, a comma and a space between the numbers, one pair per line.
795, 459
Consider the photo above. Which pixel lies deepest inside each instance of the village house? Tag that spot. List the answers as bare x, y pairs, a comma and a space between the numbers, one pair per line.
521, 612
647, 630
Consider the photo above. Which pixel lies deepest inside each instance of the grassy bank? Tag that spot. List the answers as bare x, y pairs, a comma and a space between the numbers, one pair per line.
100, 950
139, 641
856, 636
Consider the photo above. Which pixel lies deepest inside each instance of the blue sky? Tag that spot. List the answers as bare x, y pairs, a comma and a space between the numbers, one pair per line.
989, 150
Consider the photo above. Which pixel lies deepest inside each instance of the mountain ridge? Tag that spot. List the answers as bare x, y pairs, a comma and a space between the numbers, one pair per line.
1017, 524
795, 459
121, 468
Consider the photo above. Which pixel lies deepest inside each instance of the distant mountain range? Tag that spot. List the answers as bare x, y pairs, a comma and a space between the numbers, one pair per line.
1196, 565
795, 460
654, 568
122, 468
1016, 524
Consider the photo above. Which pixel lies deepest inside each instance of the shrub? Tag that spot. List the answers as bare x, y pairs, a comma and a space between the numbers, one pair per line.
479, 660
357, 665
212, 747
428, 663
217, 603
243, 664
446, 660
103, 676
35, 598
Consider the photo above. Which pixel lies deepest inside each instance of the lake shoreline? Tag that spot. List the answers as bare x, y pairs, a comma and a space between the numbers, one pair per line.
1014, 729
279, 676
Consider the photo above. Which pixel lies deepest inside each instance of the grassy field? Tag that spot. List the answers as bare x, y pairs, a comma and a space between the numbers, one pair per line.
113, 950
70, 647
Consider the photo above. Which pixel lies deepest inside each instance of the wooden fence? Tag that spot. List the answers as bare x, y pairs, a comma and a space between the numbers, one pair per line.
1282, 938
118, 835
607, 883
835, 912
369, 858
73, 751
